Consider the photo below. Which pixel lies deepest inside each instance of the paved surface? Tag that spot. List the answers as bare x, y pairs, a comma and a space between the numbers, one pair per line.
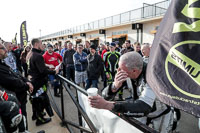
51, 127
188, 123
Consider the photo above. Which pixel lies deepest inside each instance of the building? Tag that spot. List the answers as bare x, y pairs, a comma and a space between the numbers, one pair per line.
135, 25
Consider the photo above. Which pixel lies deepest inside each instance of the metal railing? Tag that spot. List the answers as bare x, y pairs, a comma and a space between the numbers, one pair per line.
81, 113
147, 11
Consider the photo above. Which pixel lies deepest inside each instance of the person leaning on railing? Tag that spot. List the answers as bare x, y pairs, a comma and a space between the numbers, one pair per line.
132, 67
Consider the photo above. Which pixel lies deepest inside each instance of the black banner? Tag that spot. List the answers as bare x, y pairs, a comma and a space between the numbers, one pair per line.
174, 66
14, 41
23, 34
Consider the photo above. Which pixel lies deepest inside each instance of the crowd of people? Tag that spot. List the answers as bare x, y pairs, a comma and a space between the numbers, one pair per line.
120, 67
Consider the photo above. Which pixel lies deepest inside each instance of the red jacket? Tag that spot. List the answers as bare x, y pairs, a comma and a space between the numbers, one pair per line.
53, 59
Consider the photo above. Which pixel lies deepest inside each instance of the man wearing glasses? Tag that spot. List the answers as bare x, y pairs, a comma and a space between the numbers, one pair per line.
14, 82
10, 60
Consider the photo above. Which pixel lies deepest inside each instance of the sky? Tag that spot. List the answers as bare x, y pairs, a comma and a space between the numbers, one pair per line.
51, 16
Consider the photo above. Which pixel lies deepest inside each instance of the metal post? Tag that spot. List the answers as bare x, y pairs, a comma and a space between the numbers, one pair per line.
79, 114
141, 34
40, 32
62, 102
137, 34
120, 19
105, 36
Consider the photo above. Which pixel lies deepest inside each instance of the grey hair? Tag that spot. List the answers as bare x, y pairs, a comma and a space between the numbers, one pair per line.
132, 60
6, 43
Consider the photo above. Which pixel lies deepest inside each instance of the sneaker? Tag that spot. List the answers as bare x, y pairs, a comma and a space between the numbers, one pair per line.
43, 113
34, 117
120, 98
42, 121
25, 132
42, 131
57, 95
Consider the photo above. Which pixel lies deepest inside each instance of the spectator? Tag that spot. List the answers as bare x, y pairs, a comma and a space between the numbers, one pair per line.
64, 49
101, 48
103, 52
15, 83
162, 117
111, 58
69, 62
87, 47
17, 53
127, 48
75, 47
137, 48
23, 60
39, 73
94, 67
130, 66
106, 49
145, 52
80, 64
56, 48
118, 48
10, 60
52, 60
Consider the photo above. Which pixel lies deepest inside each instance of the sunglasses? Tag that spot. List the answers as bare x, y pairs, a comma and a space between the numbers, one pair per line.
3, 48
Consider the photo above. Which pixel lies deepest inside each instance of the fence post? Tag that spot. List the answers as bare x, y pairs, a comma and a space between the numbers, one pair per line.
79, 113
62, 102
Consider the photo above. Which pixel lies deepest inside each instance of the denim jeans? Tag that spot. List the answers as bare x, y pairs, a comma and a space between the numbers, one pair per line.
54, 83
93, 82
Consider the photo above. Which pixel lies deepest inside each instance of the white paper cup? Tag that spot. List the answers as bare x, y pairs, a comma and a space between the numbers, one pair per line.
92, 92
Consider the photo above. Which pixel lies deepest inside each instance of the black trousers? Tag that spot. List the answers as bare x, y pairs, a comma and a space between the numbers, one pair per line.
70, 73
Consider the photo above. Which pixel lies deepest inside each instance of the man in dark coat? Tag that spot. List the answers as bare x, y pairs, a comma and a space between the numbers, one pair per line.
14, 82
39, 77
94, 67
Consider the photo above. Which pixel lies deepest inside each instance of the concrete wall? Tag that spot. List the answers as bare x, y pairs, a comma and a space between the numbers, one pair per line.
148, 26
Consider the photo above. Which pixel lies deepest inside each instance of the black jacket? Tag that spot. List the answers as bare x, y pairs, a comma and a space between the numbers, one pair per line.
86, 50
134, 106
13, 82
94, 66
125, 50
68, 57
38, 70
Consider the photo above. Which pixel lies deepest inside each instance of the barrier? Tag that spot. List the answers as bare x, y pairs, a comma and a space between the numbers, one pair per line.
98, 121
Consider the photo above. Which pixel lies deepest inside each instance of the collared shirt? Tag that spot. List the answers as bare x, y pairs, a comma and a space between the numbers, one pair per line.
10, 61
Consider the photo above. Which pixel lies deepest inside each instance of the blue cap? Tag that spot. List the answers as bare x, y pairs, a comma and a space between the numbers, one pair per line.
112, 44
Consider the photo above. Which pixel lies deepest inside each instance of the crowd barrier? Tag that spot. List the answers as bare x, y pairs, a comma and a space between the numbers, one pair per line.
93, 120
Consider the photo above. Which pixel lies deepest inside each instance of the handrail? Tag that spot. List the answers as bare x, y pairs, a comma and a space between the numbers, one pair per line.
131, 121
80, 109
73, 84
